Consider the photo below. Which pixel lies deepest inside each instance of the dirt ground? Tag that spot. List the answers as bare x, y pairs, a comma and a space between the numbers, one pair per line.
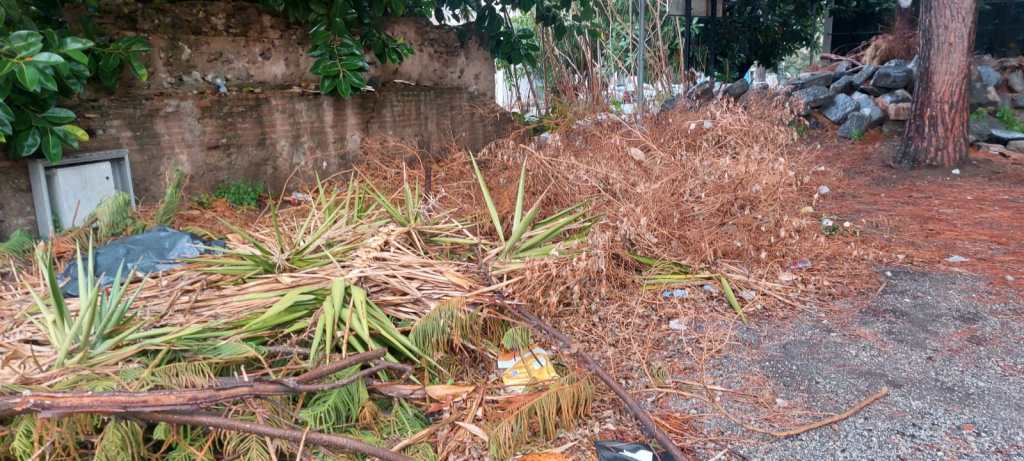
942, 336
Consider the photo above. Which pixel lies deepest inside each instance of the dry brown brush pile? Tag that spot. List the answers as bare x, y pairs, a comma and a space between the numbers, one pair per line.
720, 190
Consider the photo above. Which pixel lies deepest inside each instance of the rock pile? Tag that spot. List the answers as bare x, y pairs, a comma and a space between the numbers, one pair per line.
856, 98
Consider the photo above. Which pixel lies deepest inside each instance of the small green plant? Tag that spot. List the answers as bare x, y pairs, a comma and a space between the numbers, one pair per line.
800, 127
856, 135
1008, 117
979, 114
242, 193
203, 201
113, 216
19, 244
172, 198
103, 322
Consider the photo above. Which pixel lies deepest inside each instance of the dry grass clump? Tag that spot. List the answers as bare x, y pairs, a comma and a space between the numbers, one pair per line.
900, 42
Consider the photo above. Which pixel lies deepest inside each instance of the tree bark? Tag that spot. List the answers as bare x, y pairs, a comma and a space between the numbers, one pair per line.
937, 131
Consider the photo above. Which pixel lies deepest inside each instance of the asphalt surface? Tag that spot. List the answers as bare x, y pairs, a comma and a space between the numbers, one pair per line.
952, 359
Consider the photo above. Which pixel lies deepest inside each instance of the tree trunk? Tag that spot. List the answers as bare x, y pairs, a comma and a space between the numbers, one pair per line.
937, 131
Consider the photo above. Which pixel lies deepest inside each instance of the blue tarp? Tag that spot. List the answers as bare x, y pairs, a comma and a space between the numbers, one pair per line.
156, 250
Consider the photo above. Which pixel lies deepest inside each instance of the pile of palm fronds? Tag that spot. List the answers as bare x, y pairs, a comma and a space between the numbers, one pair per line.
354, 270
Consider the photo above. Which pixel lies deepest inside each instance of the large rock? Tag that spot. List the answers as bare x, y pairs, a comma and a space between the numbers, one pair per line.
863, 100
874, 114
898, 111
854, 127
981, 125
892, 77
702, 91
864, 74
843, 85
669, 104
811, 98
866, 88
737, 88
1015, 80
809, 79
1017, 101
896, 97
1005, 136
1016, 146
981, 95
866, 105
988, 75
841, 106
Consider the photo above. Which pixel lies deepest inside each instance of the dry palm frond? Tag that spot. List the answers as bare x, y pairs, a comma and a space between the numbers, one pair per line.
561, 405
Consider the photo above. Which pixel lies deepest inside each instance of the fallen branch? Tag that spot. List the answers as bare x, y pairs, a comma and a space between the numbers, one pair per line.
334, 442
809, 426
836, 57
163, 405
647, 424
109, 403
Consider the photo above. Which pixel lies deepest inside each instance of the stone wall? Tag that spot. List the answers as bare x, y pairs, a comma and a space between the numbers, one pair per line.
271, 123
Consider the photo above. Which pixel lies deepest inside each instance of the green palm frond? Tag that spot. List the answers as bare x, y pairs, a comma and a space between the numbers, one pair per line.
19, 244
172, 199
446, 325
113, 215
332, 409
23, 437
103, 321
182, 375
246, 447
529, 235
121, 440
517, 338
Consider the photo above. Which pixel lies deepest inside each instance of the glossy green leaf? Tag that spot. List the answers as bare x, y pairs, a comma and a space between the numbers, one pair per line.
26, 142
24, 43
77, 56
138, 68
51, 145
77, 132
28, 77
58, 116
75, 44
47, 58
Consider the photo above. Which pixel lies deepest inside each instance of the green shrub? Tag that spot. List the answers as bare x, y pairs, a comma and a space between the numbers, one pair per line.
1008, 117
242, 193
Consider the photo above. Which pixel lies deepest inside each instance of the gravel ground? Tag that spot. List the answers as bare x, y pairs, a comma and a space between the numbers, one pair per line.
954, 364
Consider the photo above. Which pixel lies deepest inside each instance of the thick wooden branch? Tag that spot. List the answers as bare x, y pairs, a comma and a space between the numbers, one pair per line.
165, 405
111, 403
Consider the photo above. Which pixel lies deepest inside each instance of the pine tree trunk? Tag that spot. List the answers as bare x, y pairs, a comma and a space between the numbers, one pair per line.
937, 131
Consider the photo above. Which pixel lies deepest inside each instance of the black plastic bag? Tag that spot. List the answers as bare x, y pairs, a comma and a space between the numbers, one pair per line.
611, 450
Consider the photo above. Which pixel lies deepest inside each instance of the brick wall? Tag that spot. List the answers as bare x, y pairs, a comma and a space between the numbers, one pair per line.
267, 128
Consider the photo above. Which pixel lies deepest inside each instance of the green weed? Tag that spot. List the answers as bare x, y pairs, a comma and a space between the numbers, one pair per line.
241, 193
